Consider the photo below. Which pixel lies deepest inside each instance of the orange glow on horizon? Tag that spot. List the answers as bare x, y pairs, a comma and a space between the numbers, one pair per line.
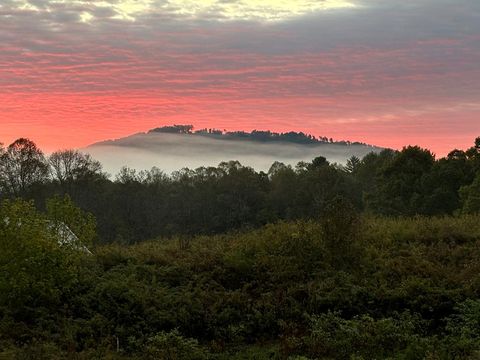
59, 121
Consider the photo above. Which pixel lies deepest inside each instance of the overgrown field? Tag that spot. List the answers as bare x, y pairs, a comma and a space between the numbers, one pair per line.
342, 287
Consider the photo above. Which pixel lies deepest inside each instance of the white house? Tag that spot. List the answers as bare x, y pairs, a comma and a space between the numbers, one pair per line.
65, 236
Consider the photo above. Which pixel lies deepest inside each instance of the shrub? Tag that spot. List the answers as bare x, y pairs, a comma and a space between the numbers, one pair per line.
173, 346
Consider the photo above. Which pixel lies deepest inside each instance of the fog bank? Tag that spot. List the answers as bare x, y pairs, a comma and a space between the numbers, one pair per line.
170, 152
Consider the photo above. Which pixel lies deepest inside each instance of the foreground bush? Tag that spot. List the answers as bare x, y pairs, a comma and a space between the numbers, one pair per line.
410, 290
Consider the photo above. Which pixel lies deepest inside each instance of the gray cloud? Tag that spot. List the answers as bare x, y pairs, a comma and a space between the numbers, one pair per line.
378, 62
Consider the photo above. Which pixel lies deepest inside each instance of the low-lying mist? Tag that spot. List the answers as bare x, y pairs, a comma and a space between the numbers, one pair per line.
171, 152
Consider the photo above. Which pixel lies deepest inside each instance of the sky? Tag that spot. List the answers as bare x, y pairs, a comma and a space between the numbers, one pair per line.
385, 72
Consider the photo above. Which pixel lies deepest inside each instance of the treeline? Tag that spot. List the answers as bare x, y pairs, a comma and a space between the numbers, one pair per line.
255, 135
134, 206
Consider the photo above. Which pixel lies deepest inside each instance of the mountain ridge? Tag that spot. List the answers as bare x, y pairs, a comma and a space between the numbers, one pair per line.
262, 136
175, 147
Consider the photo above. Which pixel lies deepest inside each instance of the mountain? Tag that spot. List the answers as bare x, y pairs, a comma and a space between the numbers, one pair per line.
174, 147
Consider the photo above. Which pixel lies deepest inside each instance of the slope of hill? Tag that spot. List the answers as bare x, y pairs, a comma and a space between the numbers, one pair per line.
174, 147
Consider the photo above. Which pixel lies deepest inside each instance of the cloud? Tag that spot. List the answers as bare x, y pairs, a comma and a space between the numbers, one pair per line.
322, 66
220, 10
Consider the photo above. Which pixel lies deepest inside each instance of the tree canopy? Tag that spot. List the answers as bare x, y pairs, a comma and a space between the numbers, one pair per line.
136, 205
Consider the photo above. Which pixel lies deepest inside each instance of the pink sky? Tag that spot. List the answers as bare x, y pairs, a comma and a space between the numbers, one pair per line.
389, 75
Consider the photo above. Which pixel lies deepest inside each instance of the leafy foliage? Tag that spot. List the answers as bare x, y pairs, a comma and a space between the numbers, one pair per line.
173, 346
275, 292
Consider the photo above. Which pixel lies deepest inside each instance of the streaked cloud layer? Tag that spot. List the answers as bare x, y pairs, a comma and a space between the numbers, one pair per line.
392, 73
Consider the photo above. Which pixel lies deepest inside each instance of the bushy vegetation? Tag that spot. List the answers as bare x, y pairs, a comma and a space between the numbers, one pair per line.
410, 290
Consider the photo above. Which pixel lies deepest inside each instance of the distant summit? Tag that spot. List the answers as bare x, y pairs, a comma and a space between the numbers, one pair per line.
255, 135
175, 147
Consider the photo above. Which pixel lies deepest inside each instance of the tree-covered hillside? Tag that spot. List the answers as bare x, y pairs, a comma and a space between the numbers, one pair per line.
173, 147
255, 135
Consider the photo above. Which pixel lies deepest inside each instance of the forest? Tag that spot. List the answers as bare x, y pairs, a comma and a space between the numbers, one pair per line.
375, 259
